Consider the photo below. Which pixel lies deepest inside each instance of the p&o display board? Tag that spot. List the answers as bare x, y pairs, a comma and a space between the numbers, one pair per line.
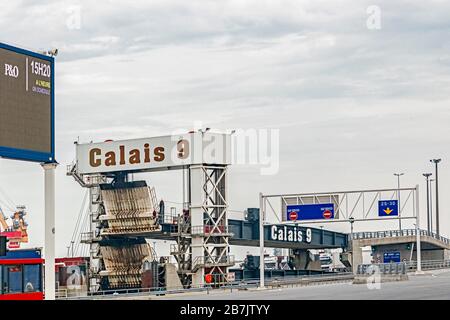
27, 99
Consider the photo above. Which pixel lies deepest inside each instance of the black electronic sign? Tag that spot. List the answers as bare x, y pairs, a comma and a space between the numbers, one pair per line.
26, 105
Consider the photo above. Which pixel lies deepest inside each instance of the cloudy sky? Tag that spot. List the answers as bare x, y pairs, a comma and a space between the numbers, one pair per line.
355, 98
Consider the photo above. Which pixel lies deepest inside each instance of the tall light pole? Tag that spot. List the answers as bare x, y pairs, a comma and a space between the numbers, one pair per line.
398, 175
431, 204
261, 240
436, 162
352, 220
418, 243
427, 176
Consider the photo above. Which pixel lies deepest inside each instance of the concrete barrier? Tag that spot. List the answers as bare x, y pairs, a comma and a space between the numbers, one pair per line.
364, 279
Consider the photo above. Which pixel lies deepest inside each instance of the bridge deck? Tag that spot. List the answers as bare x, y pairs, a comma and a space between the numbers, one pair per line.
276, 236
404, 236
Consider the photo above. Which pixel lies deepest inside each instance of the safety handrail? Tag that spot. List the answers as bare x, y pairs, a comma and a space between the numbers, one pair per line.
428, 264
397, 233
403, 267
382, 268
231, 285
209, 230
87, 236
213, 260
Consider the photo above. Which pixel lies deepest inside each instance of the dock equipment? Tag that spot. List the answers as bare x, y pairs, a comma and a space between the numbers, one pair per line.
124, 212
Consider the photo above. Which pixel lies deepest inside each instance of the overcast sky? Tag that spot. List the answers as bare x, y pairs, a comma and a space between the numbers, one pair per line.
355, 101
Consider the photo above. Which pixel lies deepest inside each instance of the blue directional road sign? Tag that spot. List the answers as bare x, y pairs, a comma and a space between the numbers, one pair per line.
389, 257
387, 208
310, 212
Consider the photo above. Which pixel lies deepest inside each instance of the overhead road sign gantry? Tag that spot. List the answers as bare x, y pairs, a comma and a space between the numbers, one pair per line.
347, 207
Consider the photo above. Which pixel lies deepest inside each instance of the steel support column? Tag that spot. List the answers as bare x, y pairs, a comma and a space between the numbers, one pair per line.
262, 215
208, 225
418, 244
49, 246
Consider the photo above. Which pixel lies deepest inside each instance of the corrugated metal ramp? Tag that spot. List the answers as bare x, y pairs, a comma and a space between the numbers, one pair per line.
129, 210
124, 264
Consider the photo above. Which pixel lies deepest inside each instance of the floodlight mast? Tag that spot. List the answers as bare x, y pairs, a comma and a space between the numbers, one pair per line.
398, 175
436, 162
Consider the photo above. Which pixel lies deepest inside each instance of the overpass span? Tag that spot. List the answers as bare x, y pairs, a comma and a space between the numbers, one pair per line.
399, 237
246, 233
400, 243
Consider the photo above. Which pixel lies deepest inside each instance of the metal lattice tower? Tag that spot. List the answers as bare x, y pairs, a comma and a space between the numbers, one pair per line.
208, 206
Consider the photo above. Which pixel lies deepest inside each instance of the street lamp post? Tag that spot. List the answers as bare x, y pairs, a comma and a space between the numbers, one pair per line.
436, 162
352, 220
431, 204
261, 240
427, 176
398, 175
418, 240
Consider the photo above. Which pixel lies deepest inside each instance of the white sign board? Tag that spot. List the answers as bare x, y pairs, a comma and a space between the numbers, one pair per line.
154, 153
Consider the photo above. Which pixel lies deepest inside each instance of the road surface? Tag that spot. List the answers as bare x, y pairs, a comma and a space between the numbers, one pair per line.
432, 285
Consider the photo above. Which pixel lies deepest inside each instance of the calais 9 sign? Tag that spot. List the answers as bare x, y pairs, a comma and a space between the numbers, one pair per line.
153, 153
26, 105
290, 234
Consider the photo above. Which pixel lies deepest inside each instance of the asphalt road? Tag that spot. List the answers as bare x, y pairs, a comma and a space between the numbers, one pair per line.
432, 285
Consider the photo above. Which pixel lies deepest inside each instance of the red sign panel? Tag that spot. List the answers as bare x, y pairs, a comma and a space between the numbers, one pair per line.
327, 214
293, 215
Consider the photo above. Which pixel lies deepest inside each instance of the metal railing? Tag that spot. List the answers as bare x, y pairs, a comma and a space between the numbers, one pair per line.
382, 268
210, 230
169, 218
308, 279
213, 261
207, 288
86, 237
167, 259
61, 293
397, 233
205, 230
175, 249
84, 180
158, 291
402, 267
428, 264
